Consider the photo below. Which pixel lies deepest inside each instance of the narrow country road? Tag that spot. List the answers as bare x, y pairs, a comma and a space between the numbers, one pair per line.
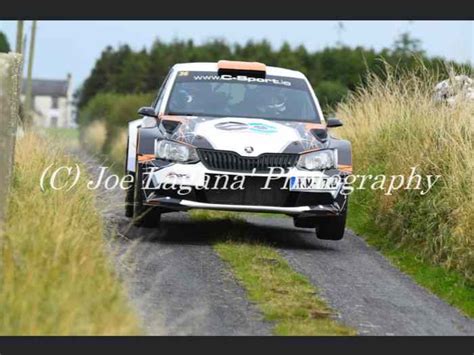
176, 282
358, 282
181, 287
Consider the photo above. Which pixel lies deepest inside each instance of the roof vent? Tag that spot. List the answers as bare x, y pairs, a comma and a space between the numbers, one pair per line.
235, 68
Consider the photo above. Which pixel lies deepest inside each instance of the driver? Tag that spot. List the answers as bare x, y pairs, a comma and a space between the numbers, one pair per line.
263, 102
199, 98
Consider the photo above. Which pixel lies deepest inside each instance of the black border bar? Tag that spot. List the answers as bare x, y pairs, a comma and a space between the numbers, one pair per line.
241, 10
221, 345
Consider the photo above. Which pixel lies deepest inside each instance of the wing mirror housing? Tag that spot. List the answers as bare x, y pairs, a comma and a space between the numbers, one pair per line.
147, 111
333, 122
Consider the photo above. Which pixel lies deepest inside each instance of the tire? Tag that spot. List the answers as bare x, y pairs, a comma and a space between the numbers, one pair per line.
305, 222
129, 197
332, 228
130, 191
143, 216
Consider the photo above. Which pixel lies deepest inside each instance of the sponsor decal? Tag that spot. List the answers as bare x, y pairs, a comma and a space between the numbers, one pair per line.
262, 128
177, 175
232, 126
243, 78
269, 80
256, 127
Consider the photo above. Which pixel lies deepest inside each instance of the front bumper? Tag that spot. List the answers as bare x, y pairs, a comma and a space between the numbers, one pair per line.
177, 204
201, 192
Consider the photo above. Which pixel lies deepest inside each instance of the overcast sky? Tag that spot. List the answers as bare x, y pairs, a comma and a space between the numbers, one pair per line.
73, 46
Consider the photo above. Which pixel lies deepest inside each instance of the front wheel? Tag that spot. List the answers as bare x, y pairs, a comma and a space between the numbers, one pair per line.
332, 228
143, 216
129, 197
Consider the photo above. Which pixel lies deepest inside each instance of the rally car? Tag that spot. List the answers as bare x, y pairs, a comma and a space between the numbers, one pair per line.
238, 136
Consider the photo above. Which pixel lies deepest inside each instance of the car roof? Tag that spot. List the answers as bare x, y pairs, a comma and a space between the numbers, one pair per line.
212, 67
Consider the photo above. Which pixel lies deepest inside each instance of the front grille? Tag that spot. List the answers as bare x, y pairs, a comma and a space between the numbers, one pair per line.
231, 161
252, 194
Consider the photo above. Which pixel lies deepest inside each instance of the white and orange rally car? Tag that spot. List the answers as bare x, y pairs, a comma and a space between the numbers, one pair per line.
238, 136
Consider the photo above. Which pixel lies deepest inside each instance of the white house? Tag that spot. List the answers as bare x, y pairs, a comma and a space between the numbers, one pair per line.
52, 102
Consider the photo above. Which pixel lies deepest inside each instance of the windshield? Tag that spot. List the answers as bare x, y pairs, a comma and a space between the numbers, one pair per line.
273, 97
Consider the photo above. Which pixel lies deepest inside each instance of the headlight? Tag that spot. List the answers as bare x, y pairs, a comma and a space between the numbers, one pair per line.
169, 150
318, 160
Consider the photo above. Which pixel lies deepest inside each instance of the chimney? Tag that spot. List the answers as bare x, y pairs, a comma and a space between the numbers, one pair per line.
69, 84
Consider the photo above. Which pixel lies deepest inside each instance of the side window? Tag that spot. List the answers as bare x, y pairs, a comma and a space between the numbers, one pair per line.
159, 98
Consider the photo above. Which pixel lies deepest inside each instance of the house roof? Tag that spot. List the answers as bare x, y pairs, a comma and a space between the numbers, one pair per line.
47, 87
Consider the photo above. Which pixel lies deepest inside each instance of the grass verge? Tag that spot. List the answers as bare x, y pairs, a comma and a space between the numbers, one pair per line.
55, 278
283, 295
66, 135
394, 125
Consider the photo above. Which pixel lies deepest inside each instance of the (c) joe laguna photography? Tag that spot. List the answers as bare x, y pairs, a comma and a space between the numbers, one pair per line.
304, 178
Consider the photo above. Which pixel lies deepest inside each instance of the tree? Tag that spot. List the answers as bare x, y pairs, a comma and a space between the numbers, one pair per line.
4, 45
333, 71
330, 93
405, 45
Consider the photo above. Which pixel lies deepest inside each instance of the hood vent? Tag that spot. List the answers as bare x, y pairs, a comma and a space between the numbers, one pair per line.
170, 126
321, 134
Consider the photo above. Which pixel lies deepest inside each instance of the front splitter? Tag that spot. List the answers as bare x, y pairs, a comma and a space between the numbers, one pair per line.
174, 203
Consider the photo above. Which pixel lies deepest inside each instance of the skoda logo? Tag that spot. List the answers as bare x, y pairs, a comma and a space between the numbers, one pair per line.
248, 150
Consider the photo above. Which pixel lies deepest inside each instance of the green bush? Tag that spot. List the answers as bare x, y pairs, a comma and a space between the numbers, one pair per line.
115, 110
330, 93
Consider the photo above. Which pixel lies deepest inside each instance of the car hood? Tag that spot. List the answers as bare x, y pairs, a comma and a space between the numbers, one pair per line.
245, 136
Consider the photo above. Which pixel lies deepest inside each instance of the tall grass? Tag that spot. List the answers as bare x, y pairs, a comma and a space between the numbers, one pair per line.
114, 110
103, 124
395, 124
55, 278
118, 149
93, 136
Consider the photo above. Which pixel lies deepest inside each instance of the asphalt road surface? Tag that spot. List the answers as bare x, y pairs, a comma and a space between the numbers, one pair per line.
179, 286
358, 282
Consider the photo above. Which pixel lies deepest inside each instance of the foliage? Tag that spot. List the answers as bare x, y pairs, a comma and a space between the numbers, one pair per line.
394, 124
55, 276
334, 93
406, 46
4, 45
332, 71
115, 110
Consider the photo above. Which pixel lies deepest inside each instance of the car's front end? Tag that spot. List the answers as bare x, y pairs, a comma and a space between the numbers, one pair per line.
181, 176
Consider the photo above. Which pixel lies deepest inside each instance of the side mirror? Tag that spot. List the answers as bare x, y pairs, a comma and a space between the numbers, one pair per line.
333, 122
147, 111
